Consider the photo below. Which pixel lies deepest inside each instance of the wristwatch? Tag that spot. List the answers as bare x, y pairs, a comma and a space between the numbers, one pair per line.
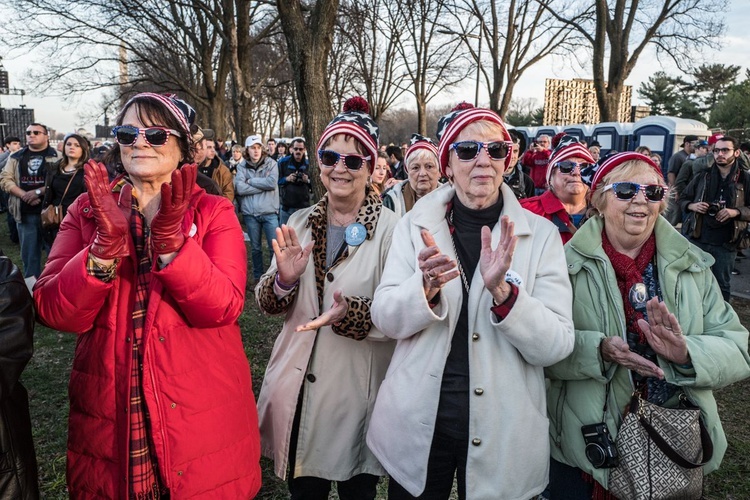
38, 192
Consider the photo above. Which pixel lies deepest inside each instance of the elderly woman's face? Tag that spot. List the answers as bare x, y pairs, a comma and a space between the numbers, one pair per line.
341, 182
635, 217
477, 181
423, 174
569, 187
147, 163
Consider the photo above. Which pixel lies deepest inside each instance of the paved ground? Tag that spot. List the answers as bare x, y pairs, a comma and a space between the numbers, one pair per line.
741, 282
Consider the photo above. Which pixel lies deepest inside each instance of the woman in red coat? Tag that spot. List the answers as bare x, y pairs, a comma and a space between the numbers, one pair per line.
150, 271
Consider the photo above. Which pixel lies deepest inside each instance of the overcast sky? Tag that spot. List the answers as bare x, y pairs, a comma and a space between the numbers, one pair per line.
62, 114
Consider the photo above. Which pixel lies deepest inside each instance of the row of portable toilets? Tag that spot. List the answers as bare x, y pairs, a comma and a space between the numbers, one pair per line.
662, 134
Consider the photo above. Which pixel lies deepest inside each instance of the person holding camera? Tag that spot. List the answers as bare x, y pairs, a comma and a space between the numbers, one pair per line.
720, 198
294, 181
648, 316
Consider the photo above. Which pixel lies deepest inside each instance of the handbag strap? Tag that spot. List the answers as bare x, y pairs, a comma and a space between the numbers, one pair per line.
706, 443
68, 187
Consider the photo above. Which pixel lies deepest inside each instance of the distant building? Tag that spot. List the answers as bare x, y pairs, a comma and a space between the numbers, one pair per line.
571, 102
638, 112
13, 122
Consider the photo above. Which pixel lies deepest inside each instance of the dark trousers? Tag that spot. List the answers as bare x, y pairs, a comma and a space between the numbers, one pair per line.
722, 268
359, 487
566, 483
447, 458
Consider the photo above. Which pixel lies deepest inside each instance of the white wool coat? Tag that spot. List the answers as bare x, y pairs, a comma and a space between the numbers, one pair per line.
508, 455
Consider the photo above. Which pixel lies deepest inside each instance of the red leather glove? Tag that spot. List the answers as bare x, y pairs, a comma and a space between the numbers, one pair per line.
166, 228
112, 228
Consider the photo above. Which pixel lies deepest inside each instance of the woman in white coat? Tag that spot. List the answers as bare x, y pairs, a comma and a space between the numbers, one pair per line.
476, 293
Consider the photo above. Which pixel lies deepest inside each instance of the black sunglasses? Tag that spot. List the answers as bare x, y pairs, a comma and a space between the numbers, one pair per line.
469, 150
330, 158
628, 190
35, 132
126, 135
567, 166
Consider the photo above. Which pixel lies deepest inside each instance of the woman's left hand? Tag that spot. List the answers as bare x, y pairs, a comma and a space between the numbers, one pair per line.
664, 333
336, 313
166, 228
494, 264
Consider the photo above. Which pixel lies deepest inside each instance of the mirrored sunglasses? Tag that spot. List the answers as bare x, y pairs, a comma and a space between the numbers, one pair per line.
628, 190
330, 158
126, 135
469, 150
567, 167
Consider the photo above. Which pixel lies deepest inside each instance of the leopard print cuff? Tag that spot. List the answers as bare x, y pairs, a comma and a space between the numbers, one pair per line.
357, 322
267, 299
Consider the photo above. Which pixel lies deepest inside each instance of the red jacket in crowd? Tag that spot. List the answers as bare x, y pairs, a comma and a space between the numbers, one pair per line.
536, 163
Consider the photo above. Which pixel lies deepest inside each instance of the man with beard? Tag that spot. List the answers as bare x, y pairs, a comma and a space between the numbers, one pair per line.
23, 179
720, 198
294, 181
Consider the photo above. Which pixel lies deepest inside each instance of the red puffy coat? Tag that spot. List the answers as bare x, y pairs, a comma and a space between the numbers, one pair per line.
196, 377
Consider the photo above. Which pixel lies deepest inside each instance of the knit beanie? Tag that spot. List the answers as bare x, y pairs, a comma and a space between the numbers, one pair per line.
616, 160
181, 110
567, 147
355, 120
420, 142
450, 125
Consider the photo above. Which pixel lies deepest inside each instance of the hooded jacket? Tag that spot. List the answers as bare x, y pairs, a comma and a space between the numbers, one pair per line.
256, 187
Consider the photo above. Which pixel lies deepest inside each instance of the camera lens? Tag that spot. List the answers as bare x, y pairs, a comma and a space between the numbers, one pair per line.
595, 454
712, 210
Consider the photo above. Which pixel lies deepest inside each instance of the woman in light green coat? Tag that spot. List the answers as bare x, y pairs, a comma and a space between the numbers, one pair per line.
683, 339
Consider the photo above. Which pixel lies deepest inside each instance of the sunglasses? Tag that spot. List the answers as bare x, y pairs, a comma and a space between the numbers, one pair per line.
298, 149
331, 158
628, 190
469, 150
126, 135
35, 132
567, 167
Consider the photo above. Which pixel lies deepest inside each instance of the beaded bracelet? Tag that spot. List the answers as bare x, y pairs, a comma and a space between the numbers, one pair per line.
283, 285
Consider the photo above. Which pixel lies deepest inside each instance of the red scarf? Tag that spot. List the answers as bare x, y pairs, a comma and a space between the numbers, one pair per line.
628, 273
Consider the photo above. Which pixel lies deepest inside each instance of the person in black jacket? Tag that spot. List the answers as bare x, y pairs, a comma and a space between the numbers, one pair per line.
294, 181
18, 472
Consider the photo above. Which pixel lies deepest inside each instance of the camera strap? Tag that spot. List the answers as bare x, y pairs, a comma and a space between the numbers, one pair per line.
606, 401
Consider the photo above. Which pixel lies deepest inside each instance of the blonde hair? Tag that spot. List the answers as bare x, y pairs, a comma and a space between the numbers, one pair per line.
623, 173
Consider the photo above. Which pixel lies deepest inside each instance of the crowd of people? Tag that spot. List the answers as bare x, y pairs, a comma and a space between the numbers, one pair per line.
460, 309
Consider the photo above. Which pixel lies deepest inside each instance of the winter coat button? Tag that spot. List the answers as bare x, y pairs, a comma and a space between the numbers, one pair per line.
179, 472
478, 391
161, 339
173, 405
476, 441
475, 337
329, 276
311, 378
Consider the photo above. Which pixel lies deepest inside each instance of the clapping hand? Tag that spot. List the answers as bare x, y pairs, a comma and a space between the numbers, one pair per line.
336, 313
494, 264
166, 227
664, 333
616, 350
291, 257
437, 268
112, 228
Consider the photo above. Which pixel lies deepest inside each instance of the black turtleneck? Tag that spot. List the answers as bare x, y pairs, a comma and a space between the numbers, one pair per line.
453, 409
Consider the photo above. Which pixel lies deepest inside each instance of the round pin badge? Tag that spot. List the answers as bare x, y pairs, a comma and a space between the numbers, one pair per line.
355, 234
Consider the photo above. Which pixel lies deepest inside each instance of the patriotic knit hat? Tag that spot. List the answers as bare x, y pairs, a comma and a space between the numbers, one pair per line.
181, 110
567, 147
355, 120
450, 125
420, 142
618, 159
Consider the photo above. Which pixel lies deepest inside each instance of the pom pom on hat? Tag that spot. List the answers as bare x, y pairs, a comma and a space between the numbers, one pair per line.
567, 147
451, 125
618, 159
556, 139
355, 120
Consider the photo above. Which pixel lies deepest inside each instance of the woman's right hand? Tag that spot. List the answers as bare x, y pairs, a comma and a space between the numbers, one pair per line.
616, 350
112, 228
437, 268
291, 258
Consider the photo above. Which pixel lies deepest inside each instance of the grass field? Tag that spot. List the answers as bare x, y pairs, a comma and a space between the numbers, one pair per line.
46, 378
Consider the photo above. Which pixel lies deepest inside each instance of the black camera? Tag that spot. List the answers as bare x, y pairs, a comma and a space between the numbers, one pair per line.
600, 449
714, 208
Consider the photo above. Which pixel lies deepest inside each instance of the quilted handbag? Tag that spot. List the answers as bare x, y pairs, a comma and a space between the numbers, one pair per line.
662, 452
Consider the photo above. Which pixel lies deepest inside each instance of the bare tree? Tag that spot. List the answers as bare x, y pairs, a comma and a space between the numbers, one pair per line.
309, 37
371, 38
517, 34
616, 32
432, 59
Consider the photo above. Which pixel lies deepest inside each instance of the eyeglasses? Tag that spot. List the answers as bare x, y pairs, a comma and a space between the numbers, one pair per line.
298, 149
724, 151
331, 158
628, 190
35, 132
469, 150
567, 167
126, 135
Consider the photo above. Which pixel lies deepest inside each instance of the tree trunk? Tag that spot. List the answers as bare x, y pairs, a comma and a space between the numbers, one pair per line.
422, 116
309, 43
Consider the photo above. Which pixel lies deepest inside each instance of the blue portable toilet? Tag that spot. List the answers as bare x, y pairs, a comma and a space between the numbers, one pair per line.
612, 136
664, 135
580, 132
527, 136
